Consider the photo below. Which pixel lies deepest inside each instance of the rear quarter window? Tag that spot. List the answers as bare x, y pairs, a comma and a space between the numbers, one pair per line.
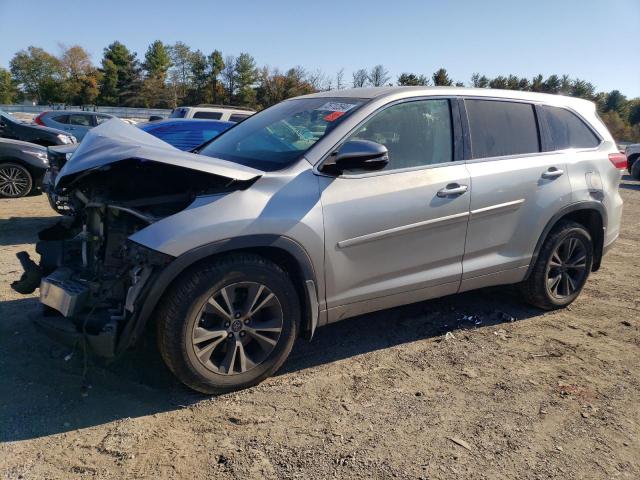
61, 118
500, 128
567, 130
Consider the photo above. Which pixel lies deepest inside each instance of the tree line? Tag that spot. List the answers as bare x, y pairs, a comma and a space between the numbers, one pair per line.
172, 75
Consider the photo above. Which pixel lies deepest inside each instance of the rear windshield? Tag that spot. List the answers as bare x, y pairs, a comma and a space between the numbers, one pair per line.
278, 136
186, 134
8, 117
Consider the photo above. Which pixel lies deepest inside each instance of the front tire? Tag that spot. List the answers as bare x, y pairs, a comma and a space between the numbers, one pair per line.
15, 180
229, 323
561, 269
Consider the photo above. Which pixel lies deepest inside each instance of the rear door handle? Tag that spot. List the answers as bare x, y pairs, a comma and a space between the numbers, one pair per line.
553, 172
452, 189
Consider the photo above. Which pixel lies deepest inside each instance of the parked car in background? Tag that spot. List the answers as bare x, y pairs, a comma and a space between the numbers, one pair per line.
77, 123
322, 208
633, 155
213, 112
45, 136
184, 134
22, 166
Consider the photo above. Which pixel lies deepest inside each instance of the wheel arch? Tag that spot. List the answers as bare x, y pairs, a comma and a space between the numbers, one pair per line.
591, 214
18, 160
285, 252
33, 170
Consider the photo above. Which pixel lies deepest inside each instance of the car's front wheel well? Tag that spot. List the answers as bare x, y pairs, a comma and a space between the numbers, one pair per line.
291, 266
281, 257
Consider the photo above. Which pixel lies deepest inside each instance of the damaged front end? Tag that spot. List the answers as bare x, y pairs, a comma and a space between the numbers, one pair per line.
93, 279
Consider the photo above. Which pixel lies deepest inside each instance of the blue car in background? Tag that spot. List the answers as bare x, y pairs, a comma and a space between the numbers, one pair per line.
186, 134
183, 134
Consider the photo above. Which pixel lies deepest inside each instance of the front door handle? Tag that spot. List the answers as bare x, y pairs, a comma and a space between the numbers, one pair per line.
553, 172
452, 189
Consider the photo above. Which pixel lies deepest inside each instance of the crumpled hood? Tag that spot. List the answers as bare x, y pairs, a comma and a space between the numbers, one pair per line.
115, 140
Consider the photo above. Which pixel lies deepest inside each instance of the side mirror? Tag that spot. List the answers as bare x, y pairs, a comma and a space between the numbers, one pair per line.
357, 155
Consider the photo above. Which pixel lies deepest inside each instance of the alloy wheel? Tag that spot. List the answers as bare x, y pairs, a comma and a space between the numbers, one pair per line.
567, 268
237, 328
14, 181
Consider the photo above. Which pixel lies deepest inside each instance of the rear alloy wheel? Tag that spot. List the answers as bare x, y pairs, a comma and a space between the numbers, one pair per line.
562, 267
567, 268
15, 180
229, 323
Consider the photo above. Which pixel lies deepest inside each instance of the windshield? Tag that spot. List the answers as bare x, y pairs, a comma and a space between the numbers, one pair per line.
276, 137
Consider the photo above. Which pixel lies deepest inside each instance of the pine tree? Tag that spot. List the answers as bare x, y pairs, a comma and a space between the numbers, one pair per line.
119, 60
441, 78
216, 65
157, 60
246, 77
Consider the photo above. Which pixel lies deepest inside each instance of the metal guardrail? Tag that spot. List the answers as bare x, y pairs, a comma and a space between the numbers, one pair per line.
122, 112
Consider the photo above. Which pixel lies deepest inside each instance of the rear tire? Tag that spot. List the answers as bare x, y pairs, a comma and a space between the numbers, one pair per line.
15, 180
635, 170
562, 267
630, 163
229, 323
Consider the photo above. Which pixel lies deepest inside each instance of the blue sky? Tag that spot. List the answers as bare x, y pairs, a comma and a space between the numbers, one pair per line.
597, 40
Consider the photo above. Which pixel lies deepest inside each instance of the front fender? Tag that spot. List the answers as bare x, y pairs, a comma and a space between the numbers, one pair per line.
165, 277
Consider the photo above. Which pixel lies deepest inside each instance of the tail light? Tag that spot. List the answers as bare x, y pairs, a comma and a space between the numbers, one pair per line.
38, 120
619, 160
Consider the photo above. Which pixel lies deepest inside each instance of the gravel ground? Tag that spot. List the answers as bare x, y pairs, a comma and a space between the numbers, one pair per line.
421, 391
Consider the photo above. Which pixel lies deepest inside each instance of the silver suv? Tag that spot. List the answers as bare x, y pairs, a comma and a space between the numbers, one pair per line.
318, 209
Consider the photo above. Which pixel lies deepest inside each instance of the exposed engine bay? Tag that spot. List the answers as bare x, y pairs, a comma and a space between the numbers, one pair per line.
92, 278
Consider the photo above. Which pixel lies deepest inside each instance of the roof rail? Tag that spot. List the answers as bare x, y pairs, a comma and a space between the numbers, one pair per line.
215, 105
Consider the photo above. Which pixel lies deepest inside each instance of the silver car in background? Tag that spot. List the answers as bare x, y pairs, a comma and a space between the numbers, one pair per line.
321, 208
77, 123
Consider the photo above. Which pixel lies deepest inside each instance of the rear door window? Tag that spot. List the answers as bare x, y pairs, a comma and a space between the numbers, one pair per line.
502, 128
208, 115
567, 130
61, 118
80, 120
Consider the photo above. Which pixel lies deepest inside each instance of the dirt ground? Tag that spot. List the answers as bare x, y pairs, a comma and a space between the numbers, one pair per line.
421, 391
